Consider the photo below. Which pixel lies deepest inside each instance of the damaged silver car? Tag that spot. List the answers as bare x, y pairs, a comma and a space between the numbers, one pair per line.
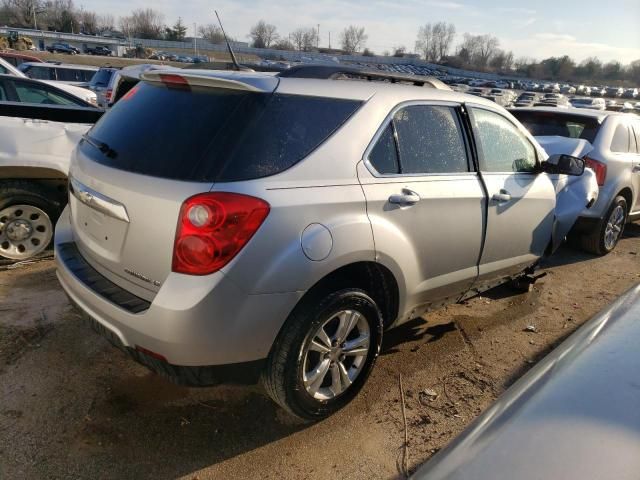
237, 226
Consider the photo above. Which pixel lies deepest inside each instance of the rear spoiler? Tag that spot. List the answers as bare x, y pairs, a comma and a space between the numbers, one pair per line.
53, 113
225, 80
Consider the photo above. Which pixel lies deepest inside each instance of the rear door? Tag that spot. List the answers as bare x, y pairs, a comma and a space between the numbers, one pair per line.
521, 201
424, 200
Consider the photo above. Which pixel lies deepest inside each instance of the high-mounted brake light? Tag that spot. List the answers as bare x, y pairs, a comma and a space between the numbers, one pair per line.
599, 168
131, 93
213, 228
172, 80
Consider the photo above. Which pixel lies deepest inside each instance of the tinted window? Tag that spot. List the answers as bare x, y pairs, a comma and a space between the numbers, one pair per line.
3, 70
384, 156
39, 73
542, 124
504, 147
12, 60
28, 93
620, 142
207, 134
101, 78
430, 140
3, 92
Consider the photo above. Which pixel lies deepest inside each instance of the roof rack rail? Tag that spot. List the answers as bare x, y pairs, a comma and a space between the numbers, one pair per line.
331, 72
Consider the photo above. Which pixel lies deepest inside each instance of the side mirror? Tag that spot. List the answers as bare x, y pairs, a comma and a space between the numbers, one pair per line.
564, 164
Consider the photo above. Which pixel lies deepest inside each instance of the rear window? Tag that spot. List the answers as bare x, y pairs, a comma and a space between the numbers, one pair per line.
207, 134
101, 78
542, 124
73, 75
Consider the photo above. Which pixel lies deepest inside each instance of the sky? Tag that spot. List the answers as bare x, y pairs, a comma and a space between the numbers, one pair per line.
536, 29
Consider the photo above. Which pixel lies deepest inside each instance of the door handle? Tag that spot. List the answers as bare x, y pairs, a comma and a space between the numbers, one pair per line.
407, 197
636, 169
501, 197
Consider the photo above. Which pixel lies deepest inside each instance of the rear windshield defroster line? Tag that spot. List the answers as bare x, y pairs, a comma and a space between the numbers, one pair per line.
212, 135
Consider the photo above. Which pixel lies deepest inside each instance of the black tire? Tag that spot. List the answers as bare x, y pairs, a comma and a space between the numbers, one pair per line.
594, 242
283, 375
16, 192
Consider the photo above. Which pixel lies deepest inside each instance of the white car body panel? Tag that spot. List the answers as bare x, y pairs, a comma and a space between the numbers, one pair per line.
38, 144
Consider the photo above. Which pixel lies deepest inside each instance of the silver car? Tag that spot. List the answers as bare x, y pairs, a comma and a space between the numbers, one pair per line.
226, 226
609, 142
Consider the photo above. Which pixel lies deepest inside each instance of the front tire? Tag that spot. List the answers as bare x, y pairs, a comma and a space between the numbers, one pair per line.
27, 219
324, 354
605, 237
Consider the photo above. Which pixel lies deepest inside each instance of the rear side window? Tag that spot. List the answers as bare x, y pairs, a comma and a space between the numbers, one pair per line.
430, 140
384, 155
39, 73
620, 142
207, 134
504, 148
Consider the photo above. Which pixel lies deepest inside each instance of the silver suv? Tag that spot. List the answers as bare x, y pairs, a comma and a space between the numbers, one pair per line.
227, 226
609, 143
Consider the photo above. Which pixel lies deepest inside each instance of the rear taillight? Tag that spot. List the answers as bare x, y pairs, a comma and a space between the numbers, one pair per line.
213, 228
108, 94
599, 168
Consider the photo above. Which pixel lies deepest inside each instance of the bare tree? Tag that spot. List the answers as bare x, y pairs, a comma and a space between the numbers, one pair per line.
263, 34
443, 35
106, 23
20, 13
425, 43
305, 39
283, 44
353, 39
60, 16
143, 23
212, 33
487, 48
88, 22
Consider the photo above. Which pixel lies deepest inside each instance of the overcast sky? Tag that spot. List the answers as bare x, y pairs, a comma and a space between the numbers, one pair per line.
534, 28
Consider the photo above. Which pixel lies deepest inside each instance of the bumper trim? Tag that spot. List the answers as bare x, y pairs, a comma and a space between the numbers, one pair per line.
244, 373
89, 276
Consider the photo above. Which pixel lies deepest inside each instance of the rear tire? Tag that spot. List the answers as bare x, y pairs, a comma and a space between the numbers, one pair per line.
37, 202
308, 378
604, 238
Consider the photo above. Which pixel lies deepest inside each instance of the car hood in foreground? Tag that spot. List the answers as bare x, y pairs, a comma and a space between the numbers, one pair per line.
573, 416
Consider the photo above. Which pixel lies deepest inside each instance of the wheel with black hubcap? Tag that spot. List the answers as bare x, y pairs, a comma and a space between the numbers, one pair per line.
324, 354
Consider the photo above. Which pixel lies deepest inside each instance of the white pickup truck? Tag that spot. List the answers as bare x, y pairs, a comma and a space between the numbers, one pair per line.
36, 142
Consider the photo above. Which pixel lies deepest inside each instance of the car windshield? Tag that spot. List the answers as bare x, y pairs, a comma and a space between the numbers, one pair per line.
209, 134
553, 124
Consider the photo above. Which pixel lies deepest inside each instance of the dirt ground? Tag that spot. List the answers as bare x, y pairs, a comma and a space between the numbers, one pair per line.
71, 406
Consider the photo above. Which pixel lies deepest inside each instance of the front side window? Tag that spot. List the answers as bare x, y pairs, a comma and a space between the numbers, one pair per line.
620, 142
504, 148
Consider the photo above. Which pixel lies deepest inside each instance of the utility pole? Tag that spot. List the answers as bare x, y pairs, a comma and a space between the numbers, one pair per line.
329, 40
195, 39
318, 39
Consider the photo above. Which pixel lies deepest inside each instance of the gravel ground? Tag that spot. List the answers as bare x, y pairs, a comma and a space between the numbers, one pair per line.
71, 406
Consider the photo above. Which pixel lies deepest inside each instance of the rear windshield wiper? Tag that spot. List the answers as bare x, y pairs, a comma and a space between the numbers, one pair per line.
102, 146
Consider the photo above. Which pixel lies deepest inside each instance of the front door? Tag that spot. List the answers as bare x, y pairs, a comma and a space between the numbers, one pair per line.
521, 201
425, 202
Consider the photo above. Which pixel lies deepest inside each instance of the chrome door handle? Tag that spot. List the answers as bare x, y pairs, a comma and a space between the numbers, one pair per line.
407, 197
501, 197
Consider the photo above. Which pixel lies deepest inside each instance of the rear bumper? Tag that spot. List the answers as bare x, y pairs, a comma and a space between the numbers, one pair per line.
192, 322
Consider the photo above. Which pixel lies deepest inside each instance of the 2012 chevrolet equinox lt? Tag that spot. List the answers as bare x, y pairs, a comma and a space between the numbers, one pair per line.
231, 226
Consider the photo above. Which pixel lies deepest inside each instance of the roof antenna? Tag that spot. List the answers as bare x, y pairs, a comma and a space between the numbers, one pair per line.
236, 65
